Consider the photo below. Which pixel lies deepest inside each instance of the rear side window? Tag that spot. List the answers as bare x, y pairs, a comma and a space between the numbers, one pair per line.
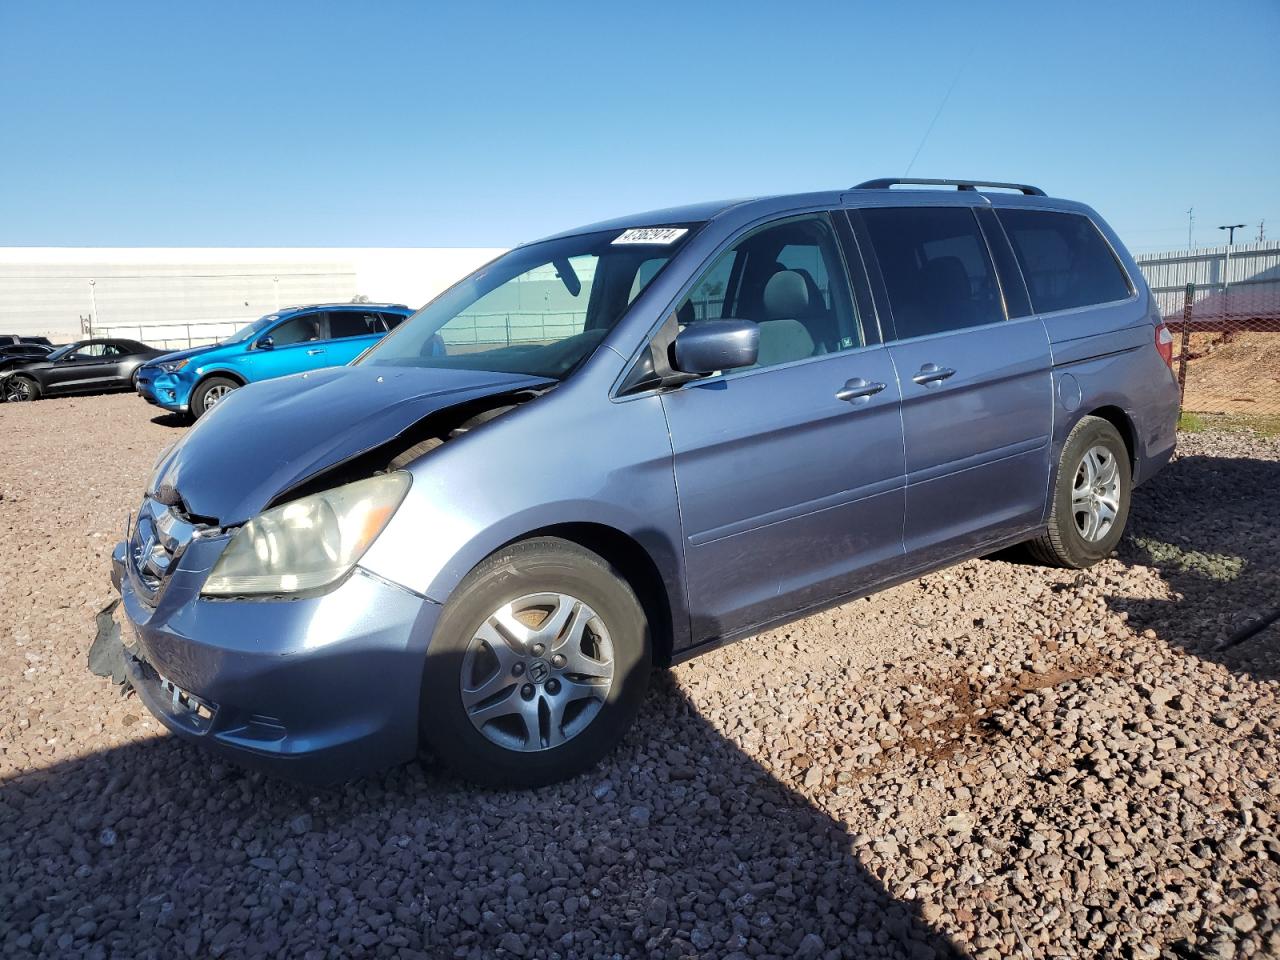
936, 269
352, 323
1064, 259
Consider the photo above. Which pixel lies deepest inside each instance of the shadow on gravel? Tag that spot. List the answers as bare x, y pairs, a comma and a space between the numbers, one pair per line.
171, 420
678, 845
1211, 526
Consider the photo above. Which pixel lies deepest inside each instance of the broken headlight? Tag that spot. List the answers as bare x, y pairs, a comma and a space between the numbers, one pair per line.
308, 543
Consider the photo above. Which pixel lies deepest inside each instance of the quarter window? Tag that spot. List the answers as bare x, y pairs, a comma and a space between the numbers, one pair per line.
1064, 259
936, 269
788, 278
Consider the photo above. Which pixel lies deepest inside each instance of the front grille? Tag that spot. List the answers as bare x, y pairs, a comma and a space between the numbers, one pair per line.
159, 538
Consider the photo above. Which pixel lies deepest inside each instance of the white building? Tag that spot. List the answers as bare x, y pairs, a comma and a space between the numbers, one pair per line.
173, 295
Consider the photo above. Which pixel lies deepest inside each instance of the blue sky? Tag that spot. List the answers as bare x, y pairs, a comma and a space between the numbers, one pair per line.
372, 124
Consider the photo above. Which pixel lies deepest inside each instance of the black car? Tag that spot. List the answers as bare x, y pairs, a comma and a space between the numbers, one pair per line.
8, 339
86, 366
20, 354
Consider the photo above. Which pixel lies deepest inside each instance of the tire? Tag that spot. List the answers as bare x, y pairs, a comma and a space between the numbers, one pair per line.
1075, 537
506, 751
208, 392
19, 389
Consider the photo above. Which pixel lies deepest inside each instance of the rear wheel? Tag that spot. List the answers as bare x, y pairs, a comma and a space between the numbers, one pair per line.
19, 389
1090, 497
537, 666
208, 394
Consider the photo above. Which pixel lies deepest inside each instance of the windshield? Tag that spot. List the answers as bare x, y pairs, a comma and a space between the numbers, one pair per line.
248, 330
538, 310
61, 352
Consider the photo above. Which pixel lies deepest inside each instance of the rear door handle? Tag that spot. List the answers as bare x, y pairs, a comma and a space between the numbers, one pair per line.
932, 373
858, 389
312, 353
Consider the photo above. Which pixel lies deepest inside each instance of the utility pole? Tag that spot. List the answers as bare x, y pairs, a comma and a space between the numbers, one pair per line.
93, 306
1262, 231
1191, 223
1231, 229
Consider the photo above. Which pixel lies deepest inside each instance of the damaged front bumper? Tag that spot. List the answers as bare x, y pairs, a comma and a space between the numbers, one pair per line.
164, 390
318, 688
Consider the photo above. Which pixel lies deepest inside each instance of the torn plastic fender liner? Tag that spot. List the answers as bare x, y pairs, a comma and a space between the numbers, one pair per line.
106, 654
275, 436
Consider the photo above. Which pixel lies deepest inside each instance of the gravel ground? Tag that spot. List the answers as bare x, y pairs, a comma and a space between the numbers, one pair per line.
996, 760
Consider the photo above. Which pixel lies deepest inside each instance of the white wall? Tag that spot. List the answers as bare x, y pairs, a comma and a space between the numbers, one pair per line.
48, 290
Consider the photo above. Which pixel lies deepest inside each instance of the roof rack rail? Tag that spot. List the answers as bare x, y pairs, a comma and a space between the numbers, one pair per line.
887, 182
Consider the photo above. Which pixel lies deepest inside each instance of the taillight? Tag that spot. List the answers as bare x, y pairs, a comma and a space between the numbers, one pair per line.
1164, 344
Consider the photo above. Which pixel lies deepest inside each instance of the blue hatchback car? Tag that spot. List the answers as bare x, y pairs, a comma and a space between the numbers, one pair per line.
631, 443
294, 340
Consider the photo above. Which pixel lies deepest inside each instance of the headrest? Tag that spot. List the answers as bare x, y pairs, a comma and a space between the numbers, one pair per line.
785, 296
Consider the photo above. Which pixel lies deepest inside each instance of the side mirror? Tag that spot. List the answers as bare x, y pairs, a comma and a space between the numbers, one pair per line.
717, 345
265, 343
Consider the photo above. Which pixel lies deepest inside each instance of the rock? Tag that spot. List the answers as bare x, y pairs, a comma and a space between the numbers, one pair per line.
810, 946
511, 942
958, 823
300, 824
1244, 922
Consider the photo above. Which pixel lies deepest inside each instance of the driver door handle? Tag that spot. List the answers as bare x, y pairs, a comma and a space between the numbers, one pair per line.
858, 389
932, 373
314, 351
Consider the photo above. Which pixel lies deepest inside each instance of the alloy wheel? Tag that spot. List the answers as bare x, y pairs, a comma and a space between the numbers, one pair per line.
17, 390
537, 671
213, 395
1095, 494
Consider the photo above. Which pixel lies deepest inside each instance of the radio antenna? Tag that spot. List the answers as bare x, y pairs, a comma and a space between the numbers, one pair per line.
937, 114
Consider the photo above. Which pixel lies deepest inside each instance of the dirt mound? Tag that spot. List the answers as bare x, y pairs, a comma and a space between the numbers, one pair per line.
1233, 373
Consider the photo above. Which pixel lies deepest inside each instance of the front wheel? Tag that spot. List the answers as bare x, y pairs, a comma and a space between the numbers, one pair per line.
1090, 497
21, 389
537, 667
209, 393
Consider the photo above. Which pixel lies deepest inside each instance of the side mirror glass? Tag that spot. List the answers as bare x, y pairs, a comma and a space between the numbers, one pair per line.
265, 343
715, 345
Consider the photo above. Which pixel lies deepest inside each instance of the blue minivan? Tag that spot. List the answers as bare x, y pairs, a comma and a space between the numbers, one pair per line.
630, 443
294, 340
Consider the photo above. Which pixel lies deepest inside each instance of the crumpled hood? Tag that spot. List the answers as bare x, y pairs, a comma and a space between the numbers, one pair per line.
183, 354
268, 437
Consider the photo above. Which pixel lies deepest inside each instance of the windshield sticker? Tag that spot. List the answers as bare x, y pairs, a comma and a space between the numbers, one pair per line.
651, 235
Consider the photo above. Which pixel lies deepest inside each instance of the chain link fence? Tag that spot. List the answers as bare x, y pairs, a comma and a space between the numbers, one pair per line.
1227, 349
1222, 305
